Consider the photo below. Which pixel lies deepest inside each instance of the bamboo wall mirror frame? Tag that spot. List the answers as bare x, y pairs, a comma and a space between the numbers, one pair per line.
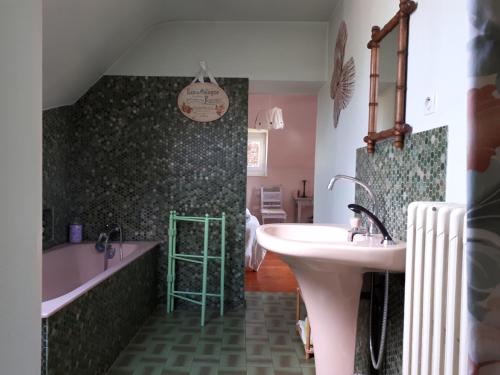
398, 27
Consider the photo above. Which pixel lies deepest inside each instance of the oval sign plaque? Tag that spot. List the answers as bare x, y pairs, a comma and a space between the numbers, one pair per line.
203, 102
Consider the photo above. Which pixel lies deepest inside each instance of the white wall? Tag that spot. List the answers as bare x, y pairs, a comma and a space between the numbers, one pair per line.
81, 39
275, 51
20, 185
436, 63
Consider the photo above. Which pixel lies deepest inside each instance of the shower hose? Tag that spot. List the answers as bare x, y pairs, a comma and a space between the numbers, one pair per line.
376, 362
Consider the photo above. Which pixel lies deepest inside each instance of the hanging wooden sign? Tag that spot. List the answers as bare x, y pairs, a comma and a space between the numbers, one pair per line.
203, 102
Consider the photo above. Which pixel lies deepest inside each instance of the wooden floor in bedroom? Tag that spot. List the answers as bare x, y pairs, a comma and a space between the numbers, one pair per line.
273, 276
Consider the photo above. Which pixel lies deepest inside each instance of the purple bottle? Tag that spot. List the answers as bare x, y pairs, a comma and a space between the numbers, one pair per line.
75, 232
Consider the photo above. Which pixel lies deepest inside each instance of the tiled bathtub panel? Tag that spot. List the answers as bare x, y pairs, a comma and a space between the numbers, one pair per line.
45, 351
57, 150
399, 177
135, 157
86, 336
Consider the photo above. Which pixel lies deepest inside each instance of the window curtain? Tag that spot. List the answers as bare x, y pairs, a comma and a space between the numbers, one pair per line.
483, 170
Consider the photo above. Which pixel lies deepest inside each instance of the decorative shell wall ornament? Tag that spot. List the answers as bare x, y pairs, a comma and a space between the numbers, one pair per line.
342, 84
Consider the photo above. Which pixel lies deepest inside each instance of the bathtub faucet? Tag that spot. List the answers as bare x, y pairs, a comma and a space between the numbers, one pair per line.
103, 245
114, 228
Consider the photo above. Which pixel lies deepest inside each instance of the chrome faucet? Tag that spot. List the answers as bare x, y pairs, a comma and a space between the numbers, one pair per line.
103, 245
356, 208
371, 226
113, 228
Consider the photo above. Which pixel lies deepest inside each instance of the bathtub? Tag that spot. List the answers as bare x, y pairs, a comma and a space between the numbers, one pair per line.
91, 310
70, 270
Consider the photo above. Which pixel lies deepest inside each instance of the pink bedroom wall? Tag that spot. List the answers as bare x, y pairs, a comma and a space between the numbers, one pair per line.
290, 150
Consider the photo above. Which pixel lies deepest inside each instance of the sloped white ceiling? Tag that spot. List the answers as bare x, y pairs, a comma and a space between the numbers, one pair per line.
82, 38
247, 10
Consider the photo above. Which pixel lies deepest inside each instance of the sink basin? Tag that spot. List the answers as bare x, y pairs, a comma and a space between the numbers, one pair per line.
329, 270
328, 244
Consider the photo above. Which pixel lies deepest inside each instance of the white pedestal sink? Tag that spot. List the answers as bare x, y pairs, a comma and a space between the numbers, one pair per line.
329, 271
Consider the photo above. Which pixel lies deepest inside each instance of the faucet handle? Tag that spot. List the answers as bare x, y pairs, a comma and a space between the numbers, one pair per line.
100, 245
355, 222
374, 221
351, 233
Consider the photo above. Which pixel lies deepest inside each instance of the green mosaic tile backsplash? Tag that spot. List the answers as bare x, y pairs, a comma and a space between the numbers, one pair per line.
397, 178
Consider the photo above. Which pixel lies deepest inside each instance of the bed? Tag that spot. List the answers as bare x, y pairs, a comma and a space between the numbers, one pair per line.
254, 254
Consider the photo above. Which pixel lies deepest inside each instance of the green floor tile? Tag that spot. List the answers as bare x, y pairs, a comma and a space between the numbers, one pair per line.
306, 363
179, 361
232, 360
170, 371
288, 371
260, 371
308, 371
258, 341
258, 349
256, 331
233, 339
207, 349
233, 371
285, 361
149, 370
280, 339
204, 369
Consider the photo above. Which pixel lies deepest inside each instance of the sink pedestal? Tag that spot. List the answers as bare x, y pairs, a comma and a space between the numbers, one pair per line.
331, 294
329, 269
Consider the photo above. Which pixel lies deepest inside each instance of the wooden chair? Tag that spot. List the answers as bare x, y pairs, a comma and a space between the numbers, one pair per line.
271, 204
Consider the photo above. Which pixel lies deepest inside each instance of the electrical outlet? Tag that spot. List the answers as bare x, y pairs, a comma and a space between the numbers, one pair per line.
430, 103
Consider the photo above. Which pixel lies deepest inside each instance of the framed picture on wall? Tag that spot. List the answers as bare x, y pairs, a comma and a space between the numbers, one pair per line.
257, 153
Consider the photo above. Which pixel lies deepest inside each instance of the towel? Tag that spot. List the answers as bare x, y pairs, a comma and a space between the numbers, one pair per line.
302, 328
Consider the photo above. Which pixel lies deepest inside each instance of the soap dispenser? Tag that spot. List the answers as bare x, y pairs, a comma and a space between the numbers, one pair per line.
75, 231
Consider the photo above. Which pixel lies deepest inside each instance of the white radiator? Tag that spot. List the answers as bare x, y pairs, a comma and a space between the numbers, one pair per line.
435, 302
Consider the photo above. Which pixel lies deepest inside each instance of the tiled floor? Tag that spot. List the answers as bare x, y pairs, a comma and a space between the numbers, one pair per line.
274, 275
258, 340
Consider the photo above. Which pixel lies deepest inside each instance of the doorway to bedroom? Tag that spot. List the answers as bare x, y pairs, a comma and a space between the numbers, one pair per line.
280, 179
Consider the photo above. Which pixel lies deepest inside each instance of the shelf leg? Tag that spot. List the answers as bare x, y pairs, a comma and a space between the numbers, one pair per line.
205, 266
222, 261
172, 262
169, 261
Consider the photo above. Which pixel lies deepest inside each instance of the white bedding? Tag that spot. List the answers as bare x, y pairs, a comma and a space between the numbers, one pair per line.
254, 254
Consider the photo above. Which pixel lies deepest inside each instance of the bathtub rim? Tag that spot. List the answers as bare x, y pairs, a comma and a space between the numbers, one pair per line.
51, 306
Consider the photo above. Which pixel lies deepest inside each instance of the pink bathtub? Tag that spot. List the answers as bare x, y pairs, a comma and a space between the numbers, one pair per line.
71, 270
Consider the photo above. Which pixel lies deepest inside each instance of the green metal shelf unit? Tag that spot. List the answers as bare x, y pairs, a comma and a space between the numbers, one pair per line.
202, 259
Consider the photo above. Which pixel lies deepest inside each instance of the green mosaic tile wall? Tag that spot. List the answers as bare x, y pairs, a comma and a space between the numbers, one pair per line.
397, 178
131, 157
57, 151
